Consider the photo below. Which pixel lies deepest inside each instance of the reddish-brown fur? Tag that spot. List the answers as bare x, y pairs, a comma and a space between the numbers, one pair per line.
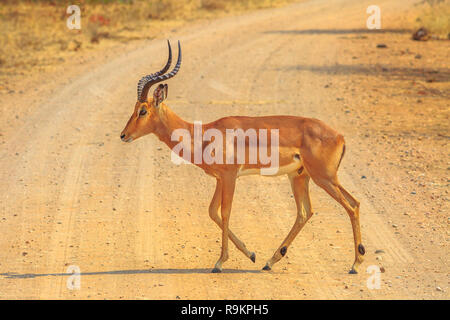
318, 148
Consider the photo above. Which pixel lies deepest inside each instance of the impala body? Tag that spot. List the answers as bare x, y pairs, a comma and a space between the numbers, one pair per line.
307, 149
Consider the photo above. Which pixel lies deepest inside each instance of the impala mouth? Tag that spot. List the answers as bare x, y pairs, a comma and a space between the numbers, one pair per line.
122, 137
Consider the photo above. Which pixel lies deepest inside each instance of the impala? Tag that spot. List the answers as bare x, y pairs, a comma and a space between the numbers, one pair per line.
308, 149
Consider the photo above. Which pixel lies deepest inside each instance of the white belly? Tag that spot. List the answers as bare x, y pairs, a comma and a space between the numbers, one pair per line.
293, 166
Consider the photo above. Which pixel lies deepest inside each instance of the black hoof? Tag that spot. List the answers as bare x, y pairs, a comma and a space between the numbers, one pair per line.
353, 271
253, 257
216, 270
267, 268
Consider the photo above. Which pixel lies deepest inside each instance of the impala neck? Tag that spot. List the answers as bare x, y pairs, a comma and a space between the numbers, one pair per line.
170, 121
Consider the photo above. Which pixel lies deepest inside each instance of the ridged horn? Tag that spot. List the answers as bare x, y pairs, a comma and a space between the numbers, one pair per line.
146, 82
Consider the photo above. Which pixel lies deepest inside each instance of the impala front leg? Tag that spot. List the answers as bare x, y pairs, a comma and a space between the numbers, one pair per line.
228, 185
213, 213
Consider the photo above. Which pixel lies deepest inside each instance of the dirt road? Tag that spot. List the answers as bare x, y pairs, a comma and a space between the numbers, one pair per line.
137, 225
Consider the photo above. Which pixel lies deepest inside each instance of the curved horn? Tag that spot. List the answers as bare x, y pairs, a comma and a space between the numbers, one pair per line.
144, 80
153, 79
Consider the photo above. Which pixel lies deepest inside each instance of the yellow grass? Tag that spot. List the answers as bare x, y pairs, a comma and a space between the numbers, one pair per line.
35, 36
435, 16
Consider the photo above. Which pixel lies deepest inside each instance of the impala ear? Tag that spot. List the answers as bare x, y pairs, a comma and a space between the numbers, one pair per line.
160, 94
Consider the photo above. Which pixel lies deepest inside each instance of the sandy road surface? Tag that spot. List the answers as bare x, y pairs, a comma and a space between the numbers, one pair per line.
137, 225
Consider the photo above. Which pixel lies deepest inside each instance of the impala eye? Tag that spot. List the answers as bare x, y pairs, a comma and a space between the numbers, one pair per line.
143, 112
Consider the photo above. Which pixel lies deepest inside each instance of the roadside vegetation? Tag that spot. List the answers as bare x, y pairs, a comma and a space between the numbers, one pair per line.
434, 15
35, 36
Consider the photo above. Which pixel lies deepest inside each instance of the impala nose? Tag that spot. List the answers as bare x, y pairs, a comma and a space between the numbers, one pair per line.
122, 136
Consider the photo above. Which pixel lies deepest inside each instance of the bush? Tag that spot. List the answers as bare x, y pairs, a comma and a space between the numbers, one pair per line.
213, 4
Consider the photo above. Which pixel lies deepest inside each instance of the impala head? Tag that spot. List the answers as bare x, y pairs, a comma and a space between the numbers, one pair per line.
145, 115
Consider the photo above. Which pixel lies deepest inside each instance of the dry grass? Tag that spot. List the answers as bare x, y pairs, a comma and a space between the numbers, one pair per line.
213, 4
435, 16
35, 37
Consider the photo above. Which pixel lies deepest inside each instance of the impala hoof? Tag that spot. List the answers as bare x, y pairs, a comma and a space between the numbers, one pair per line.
267, 268
216, 270
253, 257
353, 271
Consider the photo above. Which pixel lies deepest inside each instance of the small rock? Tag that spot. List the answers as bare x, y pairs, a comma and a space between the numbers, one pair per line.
363, 177
379, 251
421, 35
381, 45
438, 289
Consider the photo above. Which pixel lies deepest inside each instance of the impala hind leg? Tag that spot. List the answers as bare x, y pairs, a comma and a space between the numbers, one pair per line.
228, 186
213, 213
300, 188
351, 205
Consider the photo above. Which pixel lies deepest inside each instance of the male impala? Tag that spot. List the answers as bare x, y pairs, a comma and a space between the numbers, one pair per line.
307, 148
